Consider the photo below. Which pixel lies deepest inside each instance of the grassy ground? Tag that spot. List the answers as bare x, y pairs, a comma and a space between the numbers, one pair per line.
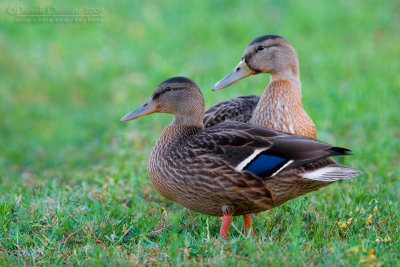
74, 187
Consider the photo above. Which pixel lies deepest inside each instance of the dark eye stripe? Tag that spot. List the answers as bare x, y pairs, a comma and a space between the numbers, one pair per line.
268, 46
167, 89
157, 95
261, 47
249, 55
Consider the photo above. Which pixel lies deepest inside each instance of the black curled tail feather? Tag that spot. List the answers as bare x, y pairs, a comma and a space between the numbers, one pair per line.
339, 151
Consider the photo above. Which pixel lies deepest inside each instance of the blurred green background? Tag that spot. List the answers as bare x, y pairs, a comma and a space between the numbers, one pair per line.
64, 87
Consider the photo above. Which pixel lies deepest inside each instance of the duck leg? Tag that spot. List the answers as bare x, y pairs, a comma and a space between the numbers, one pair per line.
247, 224
226, 223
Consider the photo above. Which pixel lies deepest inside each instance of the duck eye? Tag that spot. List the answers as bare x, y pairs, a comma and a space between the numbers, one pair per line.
167, 89
260, 47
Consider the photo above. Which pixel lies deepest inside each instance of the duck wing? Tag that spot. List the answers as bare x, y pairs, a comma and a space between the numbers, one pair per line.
266, 153
237, 109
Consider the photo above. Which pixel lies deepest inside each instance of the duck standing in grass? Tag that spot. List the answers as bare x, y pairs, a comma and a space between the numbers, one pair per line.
280, 106
232, 168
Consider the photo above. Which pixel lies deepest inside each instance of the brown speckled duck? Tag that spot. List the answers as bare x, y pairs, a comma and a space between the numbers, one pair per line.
280, 106
232, 168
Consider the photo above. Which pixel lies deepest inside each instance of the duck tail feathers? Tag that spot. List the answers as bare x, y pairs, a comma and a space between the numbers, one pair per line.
339, 151
331, 173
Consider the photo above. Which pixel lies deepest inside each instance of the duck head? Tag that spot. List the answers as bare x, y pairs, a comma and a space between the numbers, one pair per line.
268, 54
179, 96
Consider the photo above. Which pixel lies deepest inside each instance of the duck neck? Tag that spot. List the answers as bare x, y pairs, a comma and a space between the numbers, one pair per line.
179, 131
278, 105
290, 74
190, 120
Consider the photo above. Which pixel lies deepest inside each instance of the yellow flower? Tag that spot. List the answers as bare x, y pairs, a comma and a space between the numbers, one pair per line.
354, 250
339, 223
363, 250
343, 225
375, 209
378, 240
371, 251
368, 260
387, 239
372, 257
369, 219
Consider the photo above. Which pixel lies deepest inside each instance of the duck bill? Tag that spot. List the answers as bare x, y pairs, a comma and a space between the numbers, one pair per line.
241, 71
147, 108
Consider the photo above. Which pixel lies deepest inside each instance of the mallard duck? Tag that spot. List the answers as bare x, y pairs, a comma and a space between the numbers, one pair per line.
232, 168
280, 106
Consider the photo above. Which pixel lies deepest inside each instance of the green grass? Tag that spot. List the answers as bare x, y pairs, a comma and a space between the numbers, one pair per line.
74, 187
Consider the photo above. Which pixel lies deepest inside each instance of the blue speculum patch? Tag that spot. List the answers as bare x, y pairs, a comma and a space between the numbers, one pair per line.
265, 165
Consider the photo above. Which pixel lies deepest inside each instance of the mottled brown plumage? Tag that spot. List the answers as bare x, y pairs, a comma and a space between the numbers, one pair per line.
280, 106
282, 110
215, 171
237, 109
